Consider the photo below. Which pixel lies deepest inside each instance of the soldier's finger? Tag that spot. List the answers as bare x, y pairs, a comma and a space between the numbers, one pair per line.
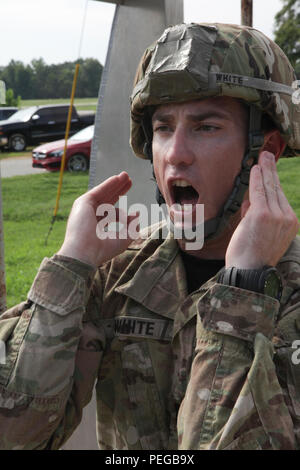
257, 196
110, 190
244, 208
268, 169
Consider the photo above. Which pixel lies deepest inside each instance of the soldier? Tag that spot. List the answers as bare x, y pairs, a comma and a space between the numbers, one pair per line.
188, 349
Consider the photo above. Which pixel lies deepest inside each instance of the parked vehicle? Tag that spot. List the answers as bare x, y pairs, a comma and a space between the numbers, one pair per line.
7, 111
78, 152
38, 124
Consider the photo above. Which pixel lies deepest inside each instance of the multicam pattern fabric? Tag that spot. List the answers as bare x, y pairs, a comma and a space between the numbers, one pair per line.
177, 68
209, 370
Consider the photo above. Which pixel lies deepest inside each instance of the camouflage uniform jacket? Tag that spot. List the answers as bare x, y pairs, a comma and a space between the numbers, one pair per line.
209, 370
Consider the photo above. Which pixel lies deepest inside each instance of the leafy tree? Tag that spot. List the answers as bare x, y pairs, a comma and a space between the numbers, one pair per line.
39, 80
89, 75
10, 98
39, 70
287, 31
18, 77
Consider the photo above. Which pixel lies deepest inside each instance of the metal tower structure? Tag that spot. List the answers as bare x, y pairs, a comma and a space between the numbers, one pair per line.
136, 24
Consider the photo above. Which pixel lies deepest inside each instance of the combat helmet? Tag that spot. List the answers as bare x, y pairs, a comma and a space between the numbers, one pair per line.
194, 61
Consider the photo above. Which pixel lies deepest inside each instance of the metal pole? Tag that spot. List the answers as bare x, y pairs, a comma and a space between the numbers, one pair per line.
247, 12
63, 159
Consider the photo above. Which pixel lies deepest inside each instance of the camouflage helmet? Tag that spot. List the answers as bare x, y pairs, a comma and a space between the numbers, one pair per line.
194, 61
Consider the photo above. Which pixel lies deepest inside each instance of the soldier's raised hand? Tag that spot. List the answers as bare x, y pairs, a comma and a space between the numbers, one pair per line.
268, 223
82, 241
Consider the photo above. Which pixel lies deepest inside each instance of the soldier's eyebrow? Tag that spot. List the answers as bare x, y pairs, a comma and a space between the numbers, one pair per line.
162, 117
209, 114
166, 116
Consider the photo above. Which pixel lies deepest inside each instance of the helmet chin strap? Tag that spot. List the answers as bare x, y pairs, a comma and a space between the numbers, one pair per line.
214, 227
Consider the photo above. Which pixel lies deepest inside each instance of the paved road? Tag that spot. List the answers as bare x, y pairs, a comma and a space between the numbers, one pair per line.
18, 166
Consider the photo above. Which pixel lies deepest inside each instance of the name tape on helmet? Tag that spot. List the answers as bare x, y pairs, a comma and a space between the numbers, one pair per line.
215, 78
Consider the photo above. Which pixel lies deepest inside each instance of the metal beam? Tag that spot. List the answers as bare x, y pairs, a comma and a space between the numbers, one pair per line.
137, 23
247, 12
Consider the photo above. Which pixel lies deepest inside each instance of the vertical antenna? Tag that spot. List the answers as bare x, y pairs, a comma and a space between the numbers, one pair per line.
63, 158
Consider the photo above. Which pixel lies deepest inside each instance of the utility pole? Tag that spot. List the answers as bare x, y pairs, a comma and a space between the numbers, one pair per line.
247, 12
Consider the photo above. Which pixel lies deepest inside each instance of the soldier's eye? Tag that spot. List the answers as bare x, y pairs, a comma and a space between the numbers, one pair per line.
162, 128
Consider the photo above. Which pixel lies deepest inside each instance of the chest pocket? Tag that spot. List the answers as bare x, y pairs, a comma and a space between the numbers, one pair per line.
141, 350
148, 390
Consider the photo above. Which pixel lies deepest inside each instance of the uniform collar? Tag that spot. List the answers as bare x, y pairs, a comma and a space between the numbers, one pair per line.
159, 283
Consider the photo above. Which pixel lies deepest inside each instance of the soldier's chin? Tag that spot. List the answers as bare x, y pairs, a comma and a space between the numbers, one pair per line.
184, 216
188, 224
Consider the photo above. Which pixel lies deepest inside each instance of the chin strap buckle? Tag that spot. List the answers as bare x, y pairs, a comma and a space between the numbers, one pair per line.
241, 184
255, 142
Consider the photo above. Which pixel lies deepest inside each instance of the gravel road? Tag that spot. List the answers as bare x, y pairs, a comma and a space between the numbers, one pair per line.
18, 166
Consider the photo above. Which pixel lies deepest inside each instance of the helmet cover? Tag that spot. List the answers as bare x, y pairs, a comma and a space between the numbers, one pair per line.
198, 61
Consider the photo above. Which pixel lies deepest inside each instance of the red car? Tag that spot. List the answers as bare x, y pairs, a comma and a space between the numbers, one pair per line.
78, 152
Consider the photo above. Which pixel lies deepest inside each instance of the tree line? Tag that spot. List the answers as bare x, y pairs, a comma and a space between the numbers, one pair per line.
287, 31
41, 81
38, 80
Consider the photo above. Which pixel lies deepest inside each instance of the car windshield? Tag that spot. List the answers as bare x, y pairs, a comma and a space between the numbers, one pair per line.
23, 115
85, 134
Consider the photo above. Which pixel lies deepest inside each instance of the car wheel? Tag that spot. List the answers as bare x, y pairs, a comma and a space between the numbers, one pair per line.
77, 162
17, 142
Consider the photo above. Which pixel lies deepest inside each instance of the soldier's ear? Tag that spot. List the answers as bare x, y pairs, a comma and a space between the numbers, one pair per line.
274, 143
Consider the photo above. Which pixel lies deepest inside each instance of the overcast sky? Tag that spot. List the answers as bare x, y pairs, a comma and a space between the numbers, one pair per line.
51, 29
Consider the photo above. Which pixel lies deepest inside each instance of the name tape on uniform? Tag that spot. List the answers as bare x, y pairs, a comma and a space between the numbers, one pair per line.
139, 327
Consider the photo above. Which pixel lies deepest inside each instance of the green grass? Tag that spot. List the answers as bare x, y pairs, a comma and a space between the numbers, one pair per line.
289, 174
6, 154
28, 203
83, 104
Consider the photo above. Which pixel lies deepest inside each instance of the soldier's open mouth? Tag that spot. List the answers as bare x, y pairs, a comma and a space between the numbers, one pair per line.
184, 195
